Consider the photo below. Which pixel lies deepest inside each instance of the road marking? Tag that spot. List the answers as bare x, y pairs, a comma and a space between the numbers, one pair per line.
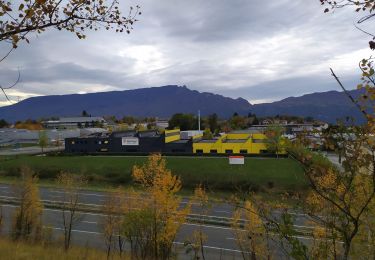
213, 247
81, 193
80, 231
89, 222
223, 211
208, 226
298, 226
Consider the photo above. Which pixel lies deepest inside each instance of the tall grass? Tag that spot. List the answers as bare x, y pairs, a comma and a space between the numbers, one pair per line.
24, 251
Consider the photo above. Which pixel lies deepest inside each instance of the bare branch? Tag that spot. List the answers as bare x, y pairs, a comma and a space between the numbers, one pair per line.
355, 102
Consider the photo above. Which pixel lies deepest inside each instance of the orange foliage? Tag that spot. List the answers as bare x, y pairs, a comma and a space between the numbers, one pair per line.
29, 126
161, 187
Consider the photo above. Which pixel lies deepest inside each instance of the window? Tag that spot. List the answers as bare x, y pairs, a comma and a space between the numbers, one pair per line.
199, 151
213, 151
243, 151
228, 151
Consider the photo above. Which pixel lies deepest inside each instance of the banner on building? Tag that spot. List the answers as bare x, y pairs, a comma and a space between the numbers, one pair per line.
130, 141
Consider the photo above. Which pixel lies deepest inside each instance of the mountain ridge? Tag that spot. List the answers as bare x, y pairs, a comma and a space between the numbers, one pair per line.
167, 100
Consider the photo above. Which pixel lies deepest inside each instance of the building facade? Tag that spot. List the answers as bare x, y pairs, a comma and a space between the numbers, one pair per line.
233, 143
142, 142
75, 122
169, 142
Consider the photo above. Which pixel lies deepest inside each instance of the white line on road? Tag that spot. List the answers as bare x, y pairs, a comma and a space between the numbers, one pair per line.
223, 211
213, 247
89, 222
80, 231
208, 226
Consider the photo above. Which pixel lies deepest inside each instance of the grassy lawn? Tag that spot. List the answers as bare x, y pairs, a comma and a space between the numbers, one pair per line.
257, 174
22, 145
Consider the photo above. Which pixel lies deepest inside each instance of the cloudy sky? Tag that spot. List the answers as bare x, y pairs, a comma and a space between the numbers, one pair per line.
256, 49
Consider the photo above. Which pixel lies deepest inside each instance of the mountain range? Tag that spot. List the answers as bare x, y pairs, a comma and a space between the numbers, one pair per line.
168, 100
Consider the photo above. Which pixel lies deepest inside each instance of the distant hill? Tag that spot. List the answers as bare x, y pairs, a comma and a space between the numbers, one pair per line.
158, 101
168, 100
326, 106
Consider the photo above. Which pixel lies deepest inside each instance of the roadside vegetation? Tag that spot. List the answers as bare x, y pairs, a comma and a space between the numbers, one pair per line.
22, 250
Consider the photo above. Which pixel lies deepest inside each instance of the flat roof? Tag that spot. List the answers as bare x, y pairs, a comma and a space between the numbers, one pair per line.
207, 141
182, 141
235, 140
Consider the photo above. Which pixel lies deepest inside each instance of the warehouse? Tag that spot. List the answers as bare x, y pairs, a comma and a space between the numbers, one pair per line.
247, 142
143, 142
241, 142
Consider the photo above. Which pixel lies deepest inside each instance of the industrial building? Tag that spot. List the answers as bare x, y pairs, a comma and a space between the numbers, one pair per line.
75, 122
241, 142
169, 142
143, 142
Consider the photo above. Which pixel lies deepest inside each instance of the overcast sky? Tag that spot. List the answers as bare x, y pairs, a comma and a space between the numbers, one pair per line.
261, 50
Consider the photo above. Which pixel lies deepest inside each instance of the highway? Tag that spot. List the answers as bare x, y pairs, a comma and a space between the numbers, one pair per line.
220, 239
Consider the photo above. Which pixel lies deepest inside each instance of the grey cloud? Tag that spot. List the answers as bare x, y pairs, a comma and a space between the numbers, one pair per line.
255, 49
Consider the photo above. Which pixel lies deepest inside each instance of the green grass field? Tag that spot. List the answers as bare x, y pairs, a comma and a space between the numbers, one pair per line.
257, 173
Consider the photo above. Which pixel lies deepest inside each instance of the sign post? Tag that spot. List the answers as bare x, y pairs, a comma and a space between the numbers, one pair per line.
239, 160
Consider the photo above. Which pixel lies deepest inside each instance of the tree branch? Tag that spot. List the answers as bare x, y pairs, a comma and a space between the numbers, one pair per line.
348, 94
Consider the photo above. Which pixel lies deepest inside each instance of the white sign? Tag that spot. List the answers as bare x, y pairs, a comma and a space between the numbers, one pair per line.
130, 141
236, 160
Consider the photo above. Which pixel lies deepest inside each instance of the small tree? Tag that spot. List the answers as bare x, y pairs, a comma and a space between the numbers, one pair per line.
207, 134
250, 233
163, 204
3, 123
112, 220
212, 121
1, 218
27, 219
138, 229
198, 237
339, 200
43, 140
84, 113
71, 186
275, 141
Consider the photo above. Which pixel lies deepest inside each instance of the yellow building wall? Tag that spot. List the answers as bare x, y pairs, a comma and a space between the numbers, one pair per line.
205, 147
174, 137
195, 137
249, 145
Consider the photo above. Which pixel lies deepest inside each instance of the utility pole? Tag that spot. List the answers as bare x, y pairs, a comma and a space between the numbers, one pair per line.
199, 120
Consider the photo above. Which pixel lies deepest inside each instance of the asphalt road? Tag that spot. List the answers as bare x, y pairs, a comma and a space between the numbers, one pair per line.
29, 150
97, 198
220, 243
